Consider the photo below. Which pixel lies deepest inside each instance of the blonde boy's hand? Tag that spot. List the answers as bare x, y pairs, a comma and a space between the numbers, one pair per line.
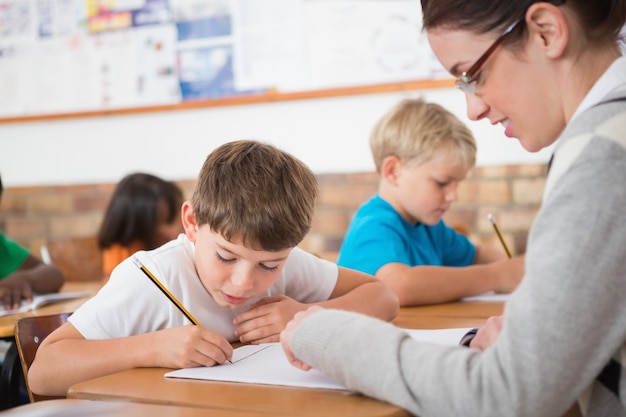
190, 346
287, 334
265, 319
511, 273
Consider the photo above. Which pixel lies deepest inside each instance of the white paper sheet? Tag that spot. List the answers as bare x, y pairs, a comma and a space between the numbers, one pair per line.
267, 364
445, 337
491, 296
260, 364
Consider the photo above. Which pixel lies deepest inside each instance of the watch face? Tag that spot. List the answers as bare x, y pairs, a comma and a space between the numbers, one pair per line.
468, 337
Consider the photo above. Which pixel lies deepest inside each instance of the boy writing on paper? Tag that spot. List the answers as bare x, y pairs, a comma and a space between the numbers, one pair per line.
236, 269
422, 152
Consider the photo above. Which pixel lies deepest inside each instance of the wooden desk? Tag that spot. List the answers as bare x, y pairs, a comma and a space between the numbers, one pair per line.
11, 371
476, 309
7, 323
67, 407
148, 385
417, 321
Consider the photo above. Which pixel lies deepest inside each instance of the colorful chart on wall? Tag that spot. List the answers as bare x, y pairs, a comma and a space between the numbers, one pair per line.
68, 56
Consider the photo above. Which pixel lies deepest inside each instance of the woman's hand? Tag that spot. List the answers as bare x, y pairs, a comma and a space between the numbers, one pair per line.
287, 334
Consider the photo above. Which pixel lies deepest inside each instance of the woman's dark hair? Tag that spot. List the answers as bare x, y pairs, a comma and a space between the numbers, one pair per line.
600, 20
133, 210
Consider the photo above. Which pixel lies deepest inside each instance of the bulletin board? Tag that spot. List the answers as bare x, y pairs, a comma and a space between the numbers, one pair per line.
73, 58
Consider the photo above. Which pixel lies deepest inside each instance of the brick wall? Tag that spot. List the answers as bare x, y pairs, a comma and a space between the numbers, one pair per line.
35, 215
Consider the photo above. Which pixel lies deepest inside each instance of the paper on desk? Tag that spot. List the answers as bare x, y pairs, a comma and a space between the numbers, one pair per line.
260, 364
488, 296
39, 300
446, 337
267, 364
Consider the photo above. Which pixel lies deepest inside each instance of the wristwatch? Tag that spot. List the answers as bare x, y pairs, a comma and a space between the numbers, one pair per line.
468, 337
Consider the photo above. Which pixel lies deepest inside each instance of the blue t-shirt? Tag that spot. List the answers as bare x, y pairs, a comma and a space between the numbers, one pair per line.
378, 235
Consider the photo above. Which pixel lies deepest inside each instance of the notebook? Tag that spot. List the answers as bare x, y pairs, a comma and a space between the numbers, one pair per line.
40, 300
267, 364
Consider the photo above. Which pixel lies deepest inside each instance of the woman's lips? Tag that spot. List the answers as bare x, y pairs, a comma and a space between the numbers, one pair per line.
508, 131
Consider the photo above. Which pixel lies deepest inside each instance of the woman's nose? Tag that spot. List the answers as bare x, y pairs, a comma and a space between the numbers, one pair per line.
476, 107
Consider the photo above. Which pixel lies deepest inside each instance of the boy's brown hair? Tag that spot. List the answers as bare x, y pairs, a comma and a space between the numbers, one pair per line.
255, 192
416, 131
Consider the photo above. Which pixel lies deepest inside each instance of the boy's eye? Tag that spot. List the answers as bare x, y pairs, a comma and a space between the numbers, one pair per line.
228, 261
222, 259
268, 268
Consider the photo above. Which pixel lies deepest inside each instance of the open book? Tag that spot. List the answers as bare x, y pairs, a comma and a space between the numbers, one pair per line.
39, 300
267, 364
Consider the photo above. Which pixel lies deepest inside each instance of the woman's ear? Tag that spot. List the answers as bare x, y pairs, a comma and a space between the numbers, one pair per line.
390, 169
548, 26
190, 222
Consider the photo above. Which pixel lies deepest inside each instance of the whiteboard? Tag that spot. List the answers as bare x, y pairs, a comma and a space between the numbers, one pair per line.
72, 56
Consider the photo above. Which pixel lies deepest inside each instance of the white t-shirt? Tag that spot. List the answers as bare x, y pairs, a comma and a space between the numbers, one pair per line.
130, 303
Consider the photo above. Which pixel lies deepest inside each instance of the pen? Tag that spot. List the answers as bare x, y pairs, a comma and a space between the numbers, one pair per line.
495, 227
168, 294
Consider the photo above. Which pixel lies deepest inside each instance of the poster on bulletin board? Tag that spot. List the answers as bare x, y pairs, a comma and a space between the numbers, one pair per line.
69, 56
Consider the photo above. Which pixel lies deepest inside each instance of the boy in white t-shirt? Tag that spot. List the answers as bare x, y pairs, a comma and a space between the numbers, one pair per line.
236, 269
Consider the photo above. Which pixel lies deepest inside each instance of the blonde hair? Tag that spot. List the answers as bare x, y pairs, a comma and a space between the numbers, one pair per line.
416, 131
257, 193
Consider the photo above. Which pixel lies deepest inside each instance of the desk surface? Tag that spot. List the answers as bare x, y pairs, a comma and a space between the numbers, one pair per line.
68, 407
148, 385
477, 309
412, 321
7, 323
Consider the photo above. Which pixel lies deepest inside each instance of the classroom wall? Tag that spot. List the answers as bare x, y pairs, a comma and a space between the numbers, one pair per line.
37, 215
329, 134
59, 175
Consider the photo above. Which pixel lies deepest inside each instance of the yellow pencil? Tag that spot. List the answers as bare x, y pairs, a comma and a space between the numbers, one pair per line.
495, 227
165, 291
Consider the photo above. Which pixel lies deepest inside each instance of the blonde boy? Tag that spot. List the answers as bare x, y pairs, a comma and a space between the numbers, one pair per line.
422, 152
236, 269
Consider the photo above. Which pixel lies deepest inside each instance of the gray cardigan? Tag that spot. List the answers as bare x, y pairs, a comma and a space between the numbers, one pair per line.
564, 324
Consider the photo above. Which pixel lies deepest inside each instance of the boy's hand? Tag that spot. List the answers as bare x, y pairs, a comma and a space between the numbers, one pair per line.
190, 346
14, 288
265, 319
488, 333
287, 334
512, 271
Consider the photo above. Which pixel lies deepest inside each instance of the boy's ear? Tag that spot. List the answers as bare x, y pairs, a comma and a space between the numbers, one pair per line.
390, 169
547, 26
190, 222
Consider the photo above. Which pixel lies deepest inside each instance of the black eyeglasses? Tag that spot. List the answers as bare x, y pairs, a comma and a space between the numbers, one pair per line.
464, 82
